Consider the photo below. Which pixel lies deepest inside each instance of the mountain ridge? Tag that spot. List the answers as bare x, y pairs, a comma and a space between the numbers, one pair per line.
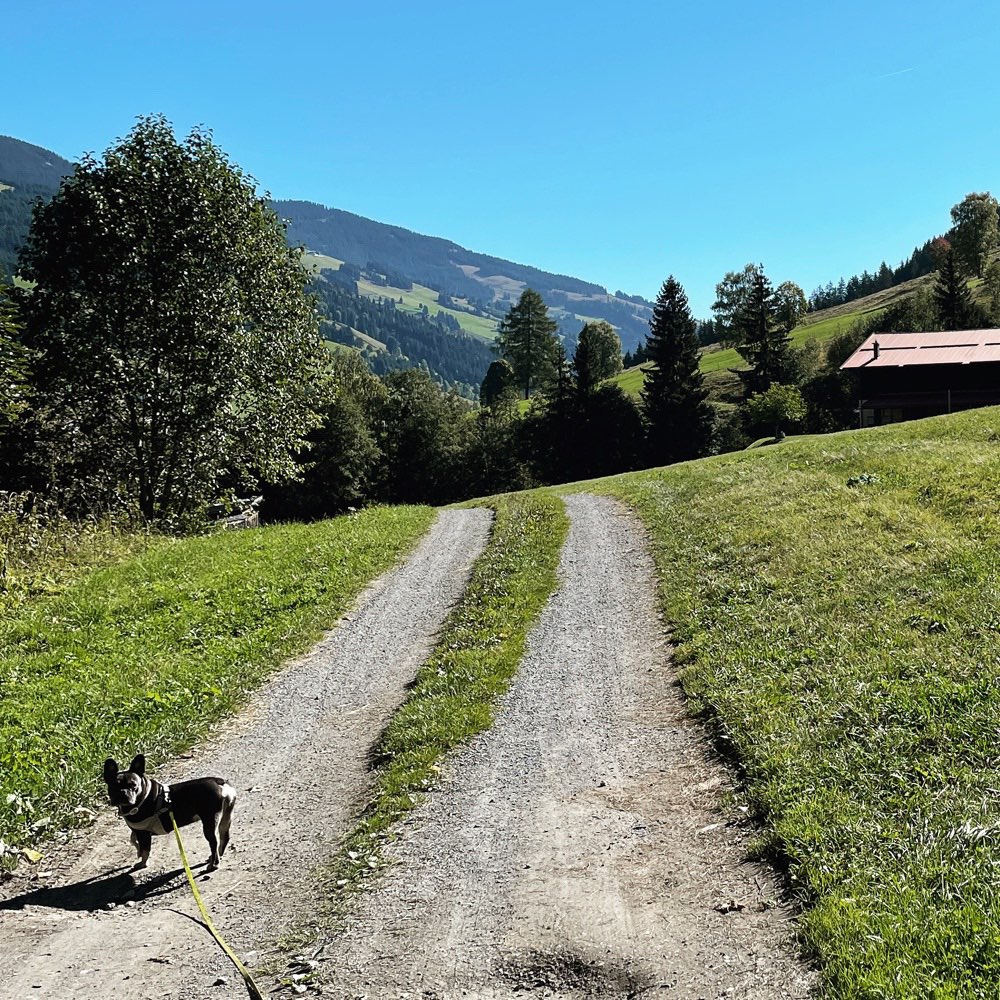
490, 283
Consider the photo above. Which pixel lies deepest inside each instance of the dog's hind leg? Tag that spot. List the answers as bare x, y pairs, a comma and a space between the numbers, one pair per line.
228, 801
143, 841
208, 826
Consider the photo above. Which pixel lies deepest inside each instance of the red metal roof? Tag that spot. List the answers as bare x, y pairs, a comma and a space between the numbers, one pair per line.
959, 347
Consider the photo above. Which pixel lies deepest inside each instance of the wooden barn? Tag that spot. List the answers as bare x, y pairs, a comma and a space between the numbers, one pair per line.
903, 376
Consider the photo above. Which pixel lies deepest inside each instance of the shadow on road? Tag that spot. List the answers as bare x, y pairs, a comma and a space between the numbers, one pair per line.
120, 886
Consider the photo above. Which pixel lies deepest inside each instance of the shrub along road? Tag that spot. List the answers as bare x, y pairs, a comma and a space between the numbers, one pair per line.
578, 847
298, 758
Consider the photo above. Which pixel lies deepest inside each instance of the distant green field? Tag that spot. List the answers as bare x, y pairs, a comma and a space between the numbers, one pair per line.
419, 296
830, 326
320, 262
631, 380
833, 605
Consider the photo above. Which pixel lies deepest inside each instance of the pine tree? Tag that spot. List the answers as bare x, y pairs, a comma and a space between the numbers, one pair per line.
956, 310
678, 418
527, 339
763, 341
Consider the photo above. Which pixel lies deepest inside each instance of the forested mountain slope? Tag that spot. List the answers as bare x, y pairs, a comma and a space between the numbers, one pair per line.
27, 173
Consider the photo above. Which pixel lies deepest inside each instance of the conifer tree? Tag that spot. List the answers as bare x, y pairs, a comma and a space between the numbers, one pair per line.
527, 339
956, 310
763, 341
678, 418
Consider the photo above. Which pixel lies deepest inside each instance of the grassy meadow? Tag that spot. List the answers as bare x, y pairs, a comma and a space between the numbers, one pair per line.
418, 296
413, 298
142, 649
834, 602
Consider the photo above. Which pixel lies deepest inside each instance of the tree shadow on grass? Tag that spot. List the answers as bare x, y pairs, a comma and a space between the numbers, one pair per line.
119, 886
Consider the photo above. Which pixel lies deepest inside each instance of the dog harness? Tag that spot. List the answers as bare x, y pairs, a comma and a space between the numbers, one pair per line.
152, 815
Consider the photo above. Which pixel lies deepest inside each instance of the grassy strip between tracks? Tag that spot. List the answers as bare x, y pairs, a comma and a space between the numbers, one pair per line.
473, 663
146, 653
835, 606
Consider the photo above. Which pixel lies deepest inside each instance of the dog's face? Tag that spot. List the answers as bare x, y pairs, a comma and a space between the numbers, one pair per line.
126, 788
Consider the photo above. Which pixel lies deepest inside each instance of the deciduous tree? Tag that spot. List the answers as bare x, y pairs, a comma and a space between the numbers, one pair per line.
422, 433
974, 236
598, 355
731, 295
178, 351
13, 360
790, 305
778, 407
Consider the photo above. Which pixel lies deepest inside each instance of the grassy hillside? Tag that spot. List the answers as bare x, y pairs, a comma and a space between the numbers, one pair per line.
834, 604
413, 299
820, 326
463, 274
419, 296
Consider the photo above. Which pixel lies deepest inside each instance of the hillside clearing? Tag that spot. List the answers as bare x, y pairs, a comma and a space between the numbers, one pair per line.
418, 297
819, 326
833, 600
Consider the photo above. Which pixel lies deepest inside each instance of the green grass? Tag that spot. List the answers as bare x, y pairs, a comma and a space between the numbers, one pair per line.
834, 605
473, 662
146, 653
315, 262
418, 296
41, 552
631, 380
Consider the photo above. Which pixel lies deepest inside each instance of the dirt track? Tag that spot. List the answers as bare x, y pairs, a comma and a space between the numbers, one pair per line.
298, 758
575, 850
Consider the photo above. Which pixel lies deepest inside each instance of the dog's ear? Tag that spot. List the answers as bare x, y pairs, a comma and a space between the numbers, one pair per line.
110, 770
138, 764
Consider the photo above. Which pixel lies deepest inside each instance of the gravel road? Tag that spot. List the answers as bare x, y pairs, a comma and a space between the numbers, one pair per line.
85, 927
577, 849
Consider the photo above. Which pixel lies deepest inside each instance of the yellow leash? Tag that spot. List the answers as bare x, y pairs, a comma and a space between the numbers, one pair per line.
252, 989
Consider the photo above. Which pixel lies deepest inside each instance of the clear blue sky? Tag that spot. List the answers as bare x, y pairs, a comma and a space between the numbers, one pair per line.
616, 142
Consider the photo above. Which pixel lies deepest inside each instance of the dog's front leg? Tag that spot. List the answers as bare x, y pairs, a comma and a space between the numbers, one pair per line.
143, 842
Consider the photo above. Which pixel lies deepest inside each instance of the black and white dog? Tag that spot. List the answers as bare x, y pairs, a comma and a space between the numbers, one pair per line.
145, 804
